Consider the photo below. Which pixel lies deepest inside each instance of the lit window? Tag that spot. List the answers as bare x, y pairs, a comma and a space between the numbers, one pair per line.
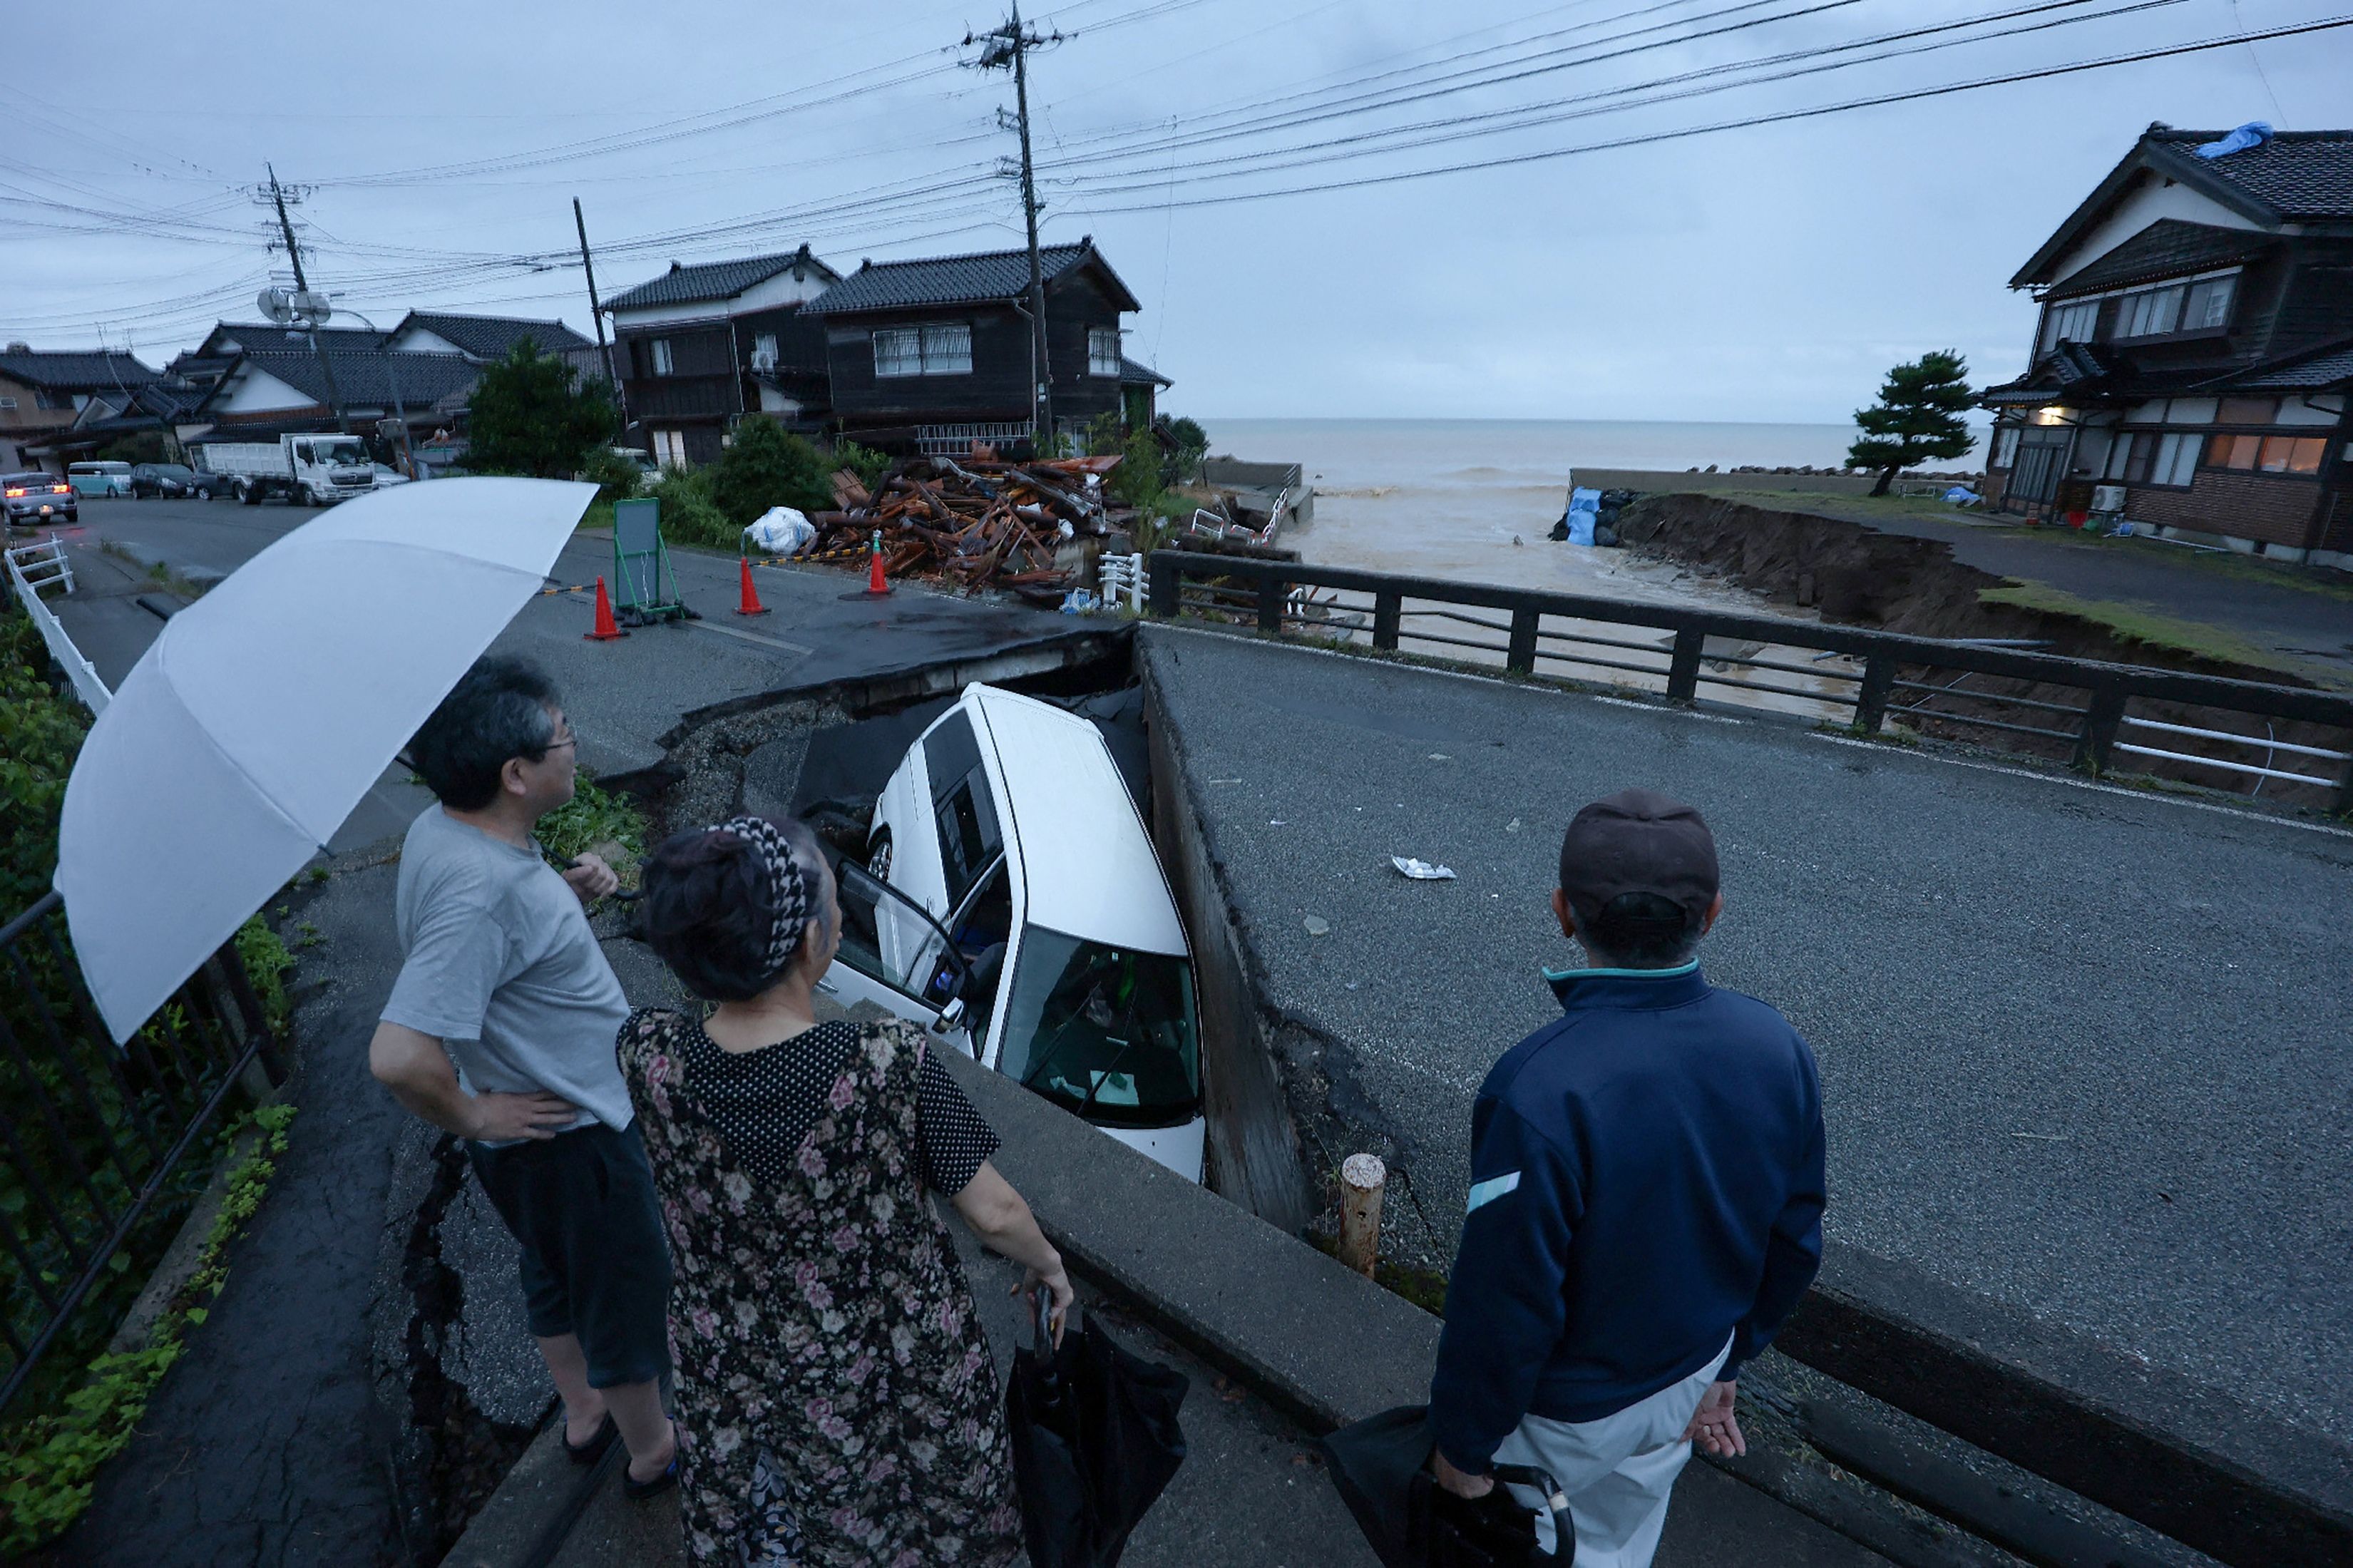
1103, 352
2232, 451
2208, 304
663, 364
2291, 454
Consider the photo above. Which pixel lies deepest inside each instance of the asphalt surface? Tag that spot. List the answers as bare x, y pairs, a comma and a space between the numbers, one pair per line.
2084, 1049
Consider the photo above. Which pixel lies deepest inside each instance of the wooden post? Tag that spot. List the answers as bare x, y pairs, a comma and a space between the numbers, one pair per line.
1166, 579
2102, 719
1870, 699
1521, 657
1683, 672
1272, 593
1363, 1178
1387, 608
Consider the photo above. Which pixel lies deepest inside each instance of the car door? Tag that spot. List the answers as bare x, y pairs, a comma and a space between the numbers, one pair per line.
895, 956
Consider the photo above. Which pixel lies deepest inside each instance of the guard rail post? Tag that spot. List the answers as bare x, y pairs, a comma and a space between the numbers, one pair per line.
1520, 658
2344, 804
1167, 582
1871, 698
2101, 720
1389, 609
1683, 675
1271, 592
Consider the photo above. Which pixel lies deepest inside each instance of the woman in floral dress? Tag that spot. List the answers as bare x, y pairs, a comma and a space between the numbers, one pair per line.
836, 1404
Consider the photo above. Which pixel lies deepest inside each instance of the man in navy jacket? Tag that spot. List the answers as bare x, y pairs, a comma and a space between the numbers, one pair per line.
1645, 1204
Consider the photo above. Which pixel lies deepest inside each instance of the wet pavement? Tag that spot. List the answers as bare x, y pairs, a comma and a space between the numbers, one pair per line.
2084, 1047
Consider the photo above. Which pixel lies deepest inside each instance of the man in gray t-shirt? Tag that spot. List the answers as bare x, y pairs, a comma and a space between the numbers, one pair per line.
501, 1030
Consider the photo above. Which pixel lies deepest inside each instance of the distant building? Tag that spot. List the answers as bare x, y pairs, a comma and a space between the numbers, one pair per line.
2194, 356
699, 347
43, 392
938, 352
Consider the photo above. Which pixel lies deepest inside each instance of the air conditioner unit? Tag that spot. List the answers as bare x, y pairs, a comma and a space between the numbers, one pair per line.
2107, 498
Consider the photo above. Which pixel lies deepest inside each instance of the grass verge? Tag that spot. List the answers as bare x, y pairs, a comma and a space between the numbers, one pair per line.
2138, 624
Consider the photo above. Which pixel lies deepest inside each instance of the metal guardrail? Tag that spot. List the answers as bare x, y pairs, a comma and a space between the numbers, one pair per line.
94, 1134
31, 568
1280, 595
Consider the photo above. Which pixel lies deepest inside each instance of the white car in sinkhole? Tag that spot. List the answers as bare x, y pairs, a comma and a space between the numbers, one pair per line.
1012, 904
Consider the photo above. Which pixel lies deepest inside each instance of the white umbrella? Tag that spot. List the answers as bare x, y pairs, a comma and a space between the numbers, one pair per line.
266, 708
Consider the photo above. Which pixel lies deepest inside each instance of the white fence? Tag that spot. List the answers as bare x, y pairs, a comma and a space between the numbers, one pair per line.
31, 568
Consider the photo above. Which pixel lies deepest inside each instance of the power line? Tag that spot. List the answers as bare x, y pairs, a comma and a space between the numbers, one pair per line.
1776, 117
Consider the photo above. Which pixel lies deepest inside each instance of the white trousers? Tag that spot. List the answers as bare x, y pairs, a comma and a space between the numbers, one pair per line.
1617, 1471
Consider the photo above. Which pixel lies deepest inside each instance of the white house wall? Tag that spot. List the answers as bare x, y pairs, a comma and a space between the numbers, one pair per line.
2154, 198
259, 392
424, 341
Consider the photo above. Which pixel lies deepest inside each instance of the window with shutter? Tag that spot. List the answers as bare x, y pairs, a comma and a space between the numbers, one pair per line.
1103, 352
948, 350
898, 351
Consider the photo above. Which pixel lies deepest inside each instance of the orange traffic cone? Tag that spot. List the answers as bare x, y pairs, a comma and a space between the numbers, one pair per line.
606, 630
876, 585
751, 605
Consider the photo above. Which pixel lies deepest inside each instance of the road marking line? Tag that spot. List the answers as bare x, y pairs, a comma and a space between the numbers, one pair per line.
751, 636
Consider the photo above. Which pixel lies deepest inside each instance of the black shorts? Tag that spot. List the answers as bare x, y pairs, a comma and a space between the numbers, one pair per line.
595, 1261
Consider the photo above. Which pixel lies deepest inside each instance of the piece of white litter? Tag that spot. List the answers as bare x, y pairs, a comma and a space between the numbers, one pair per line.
1316, 925
1512, 826
1276, 821
1225, 781
2042, 1137
1422, 870
1440, 757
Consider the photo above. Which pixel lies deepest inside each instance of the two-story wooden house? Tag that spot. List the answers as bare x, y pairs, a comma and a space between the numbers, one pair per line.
938, 352
700, 346
42, 392
2194, 355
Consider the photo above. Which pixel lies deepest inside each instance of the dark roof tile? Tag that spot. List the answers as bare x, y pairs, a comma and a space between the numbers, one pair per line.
712, 280
424, 380
982, 278
2166, 249
1136, 373
2300, 174
74, 371
494, 337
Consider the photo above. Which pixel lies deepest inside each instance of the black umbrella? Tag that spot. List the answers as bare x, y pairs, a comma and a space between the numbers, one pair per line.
1381, 1466
1095, 1441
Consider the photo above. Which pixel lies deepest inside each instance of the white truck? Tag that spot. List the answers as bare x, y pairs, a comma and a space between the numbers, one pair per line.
307, 470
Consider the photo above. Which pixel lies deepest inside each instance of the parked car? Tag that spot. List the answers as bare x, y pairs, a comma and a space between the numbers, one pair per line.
167, 479
387, 475
100, 478
1012, 904
32, 499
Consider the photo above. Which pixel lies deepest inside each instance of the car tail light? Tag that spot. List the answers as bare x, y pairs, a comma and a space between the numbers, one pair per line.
60, 490
13, 494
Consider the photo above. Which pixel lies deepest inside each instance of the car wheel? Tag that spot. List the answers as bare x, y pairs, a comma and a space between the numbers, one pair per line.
201, 493
249, 495
878, 856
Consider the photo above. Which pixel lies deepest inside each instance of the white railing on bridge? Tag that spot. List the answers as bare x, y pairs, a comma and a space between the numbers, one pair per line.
2269, 747
31, 568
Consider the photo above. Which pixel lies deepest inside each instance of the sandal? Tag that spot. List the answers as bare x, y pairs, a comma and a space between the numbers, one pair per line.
637, 1492
591, 1451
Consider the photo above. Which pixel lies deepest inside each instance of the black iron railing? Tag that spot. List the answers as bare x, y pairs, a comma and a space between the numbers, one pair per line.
95, 1136
1859, 676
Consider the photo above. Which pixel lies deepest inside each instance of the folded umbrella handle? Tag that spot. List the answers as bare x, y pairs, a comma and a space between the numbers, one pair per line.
1555, 1503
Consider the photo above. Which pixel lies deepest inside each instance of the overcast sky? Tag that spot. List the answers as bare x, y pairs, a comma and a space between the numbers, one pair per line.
1765, 273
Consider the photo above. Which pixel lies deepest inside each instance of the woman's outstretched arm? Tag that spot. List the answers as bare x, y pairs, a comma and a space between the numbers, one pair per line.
1006, 1226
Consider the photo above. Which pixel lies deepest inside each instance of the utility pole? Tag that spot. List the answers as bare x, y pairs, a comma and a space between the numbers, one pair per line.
303, 286
1010, 45
597, 314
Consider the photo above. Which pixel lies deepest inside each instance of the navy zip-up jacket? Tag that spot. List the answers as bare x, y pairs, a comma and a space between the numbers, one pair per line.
1646, 1183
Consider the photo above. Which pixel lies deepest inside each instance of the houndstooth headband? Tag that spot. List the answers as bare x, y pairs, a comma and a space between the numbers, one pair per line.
788, 886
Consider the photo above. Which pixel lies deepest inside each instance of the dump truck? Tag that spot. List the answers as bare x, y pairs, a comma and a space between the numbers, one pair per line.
307, 471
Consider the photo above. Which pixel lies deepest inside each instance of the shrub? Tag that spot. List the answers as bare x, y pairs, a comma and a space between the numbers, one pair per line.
688, 516
531, 414
766, 464
39, 733
617, 478
867, 464
1139, 479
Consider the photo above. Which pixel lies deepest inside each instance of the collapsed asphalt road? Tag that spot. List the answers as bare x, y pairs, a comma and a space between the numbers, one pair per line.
2083, 1048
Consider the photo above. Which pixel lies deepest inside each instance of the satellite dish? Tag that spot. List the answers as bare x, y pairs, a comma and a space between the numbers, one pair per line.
312, 306
276, 304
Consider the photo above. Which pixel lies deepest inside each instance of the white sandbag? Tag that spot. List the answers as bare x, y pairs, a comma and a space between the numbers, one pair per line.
781, 530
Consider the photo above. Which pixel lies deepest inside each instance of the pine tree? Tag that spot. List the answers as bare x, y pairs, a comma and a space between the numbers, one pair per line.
1918, 417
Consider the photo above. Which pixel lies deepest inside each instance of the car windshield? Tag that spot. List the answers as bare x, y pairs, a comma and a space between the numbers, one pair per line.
1103, 1031
343, 452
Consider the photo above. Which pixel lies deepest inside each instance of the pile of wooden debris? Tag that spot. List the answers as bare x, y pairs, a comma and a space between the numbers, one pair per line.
975, 523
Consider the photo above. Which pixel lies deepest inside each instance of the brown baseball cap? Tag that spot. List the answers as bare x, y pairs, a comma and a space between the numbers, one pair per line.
1638, 841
